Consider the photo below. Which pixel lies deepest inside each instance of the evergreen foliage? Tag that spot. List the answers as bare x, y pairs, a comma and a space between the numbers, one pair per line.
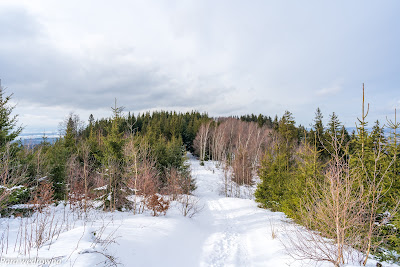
8, 122
295, 165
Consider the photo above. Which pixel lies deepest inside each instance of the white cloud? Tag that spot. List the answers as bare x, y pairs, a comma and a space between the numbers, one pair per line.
333, 90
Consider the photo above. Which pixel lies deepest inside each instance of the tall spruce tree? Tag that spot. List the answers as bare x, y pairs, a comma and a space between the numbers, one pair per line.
308, 173
274, 176
318, 127
335, 135
113, 163
8, 122
394, 183
277, 189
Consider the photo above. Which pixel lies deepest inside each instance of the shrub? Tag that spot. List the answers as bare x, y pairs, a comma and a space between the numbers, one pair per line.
158, 204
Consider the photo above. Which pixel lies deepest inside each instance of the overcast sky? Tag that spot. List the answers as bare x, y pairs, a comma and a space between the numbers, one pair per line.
223, 57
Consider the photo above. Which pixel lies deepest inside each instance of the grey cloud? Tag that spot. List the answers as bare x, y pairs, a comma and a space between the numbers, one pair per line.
202, 55
16, 24
52, 80
39, 73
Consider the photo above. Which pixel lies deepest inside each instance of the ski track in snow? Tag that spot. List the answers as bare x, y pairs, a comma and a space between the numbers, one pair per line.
224, 245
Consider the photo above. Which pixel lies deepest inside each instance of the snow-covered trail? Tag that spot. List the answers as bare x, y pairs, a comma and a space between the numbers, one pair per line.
239, 233
226, 232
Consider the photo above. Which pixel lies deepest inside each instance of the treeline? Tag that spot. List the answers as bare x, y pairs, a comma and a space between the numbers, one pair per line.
159, 123
117, 163
260, 119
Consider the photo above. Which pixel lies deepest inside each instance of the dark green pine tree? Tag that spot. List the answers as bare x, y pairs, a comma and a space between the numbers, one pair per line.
57, 156
8, 123
91, 120
70, 133
114, 141
334, 126
287, 128
393, 183
276, 191
260, 120
359, 143
275, 123
370, 161
307, 174
113, 163
90, 126
393, 151
377, 134
318, 125
362, 157
59, 153
288, 131
335, 135
274, 176
319, 137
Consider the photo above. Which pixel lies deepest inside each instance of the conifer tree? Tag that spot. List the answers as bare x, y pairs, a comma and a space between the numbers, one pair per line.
335, 134
90, 126
288, 131
275, 123
334, 125
318, 124
113, 162
274, 176
57, 156
8, 123
369, 158
377, 135
318, 127
393, 145
277, 189
260, 120
70, 134
362, 132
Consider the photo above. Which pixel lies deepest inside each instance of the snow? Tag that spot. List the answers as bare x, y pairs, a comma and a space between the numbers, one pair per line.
12, 188
226, 232
104, 187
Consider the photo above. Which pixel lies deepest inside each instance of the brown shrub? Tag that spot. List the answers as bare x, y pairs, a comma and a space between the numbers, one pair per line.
158, 204
43, 195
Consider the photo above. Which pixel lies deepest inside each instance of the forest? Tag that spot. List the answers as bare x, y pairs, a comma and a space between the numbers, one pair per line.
338, 185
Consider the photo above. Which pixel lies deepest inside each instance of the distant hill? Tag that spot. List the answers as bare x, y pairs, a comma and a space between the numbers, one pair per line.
32, 139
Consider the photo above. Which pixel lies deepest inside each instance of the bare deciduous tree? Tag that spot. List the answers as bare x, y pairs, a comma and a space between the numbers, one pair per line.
236, 143
189, 205
141, 172
201, 140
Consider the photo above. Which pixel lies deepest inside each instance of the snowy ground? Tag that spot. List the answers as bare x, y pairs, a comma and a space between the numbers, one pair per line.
227, 232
